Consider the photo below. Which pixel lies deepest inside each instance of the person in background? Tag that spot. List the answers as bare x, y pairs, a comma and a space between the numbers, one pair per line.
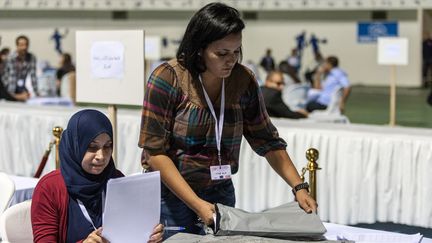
427, 59
196, 109
66, 66
67, 204
429, 99
4, 94
294, 59
3, 58
4, 53
289, 72
301, 43
20, 65
267, 62
334, 79
312, 68
272, 93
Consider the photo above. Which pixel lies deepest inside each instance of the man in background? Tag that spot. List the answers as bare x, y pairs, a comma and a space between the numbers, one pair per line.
20, 65
429, 99
427, 60
267, 62
4, 53
329, 78
272, 93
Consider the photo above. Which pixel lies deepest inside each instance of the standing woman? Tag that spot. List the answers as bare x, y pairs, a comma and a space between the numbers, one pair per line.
66, 66
67, 204
196, 109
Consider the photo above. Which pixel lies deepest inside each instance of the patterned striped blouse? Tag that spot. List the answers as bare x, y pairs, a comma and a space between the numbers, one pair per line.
177, 122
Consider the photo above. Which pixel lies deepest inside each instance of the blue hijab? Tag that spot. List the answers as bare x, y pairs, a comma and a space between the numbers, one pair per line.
83, 127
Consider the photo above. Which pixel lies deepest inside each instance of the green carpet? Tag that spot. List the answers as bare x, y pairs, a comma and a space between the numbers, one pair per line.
370, 105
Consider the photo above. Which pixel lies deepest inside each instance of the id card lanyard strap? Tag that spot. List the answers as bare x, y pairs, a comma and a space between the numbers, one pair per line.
218, 123
85, 212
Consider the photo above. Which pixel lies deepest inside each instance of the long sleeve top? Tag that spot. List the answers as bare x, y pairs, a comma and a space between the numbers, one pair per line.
49, 209
176, 121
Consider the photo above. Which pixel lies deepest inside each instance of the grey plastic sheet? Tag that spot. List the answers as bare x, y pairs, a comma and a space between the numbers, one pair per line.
287, 221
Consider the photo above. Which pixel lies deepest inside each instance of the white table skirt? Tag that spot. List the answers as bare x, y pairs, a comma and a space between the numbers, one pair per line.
370, 173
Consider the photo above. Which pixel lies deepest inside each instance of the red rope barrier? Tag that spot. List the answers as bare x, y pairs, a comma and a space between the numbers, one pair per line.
43, 161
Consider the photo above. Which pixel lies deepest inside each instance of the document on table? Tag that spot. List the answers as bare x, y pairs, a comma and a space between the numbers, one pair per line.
132, 208
381, 237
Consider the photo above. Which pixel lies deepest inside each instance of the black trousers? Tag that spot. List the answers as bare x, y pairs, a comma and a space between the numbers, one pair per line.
429, 100
313, 105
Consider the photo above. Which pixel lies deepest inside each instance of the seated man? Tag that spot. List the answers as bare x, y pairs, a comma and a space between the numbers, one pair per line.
4, 94
334, 79
272, 93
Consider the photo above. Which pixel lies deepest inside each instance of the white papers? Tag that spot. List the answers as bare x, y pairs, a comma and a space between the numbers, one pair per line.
381, 237
362, 235
132, 208
107, 59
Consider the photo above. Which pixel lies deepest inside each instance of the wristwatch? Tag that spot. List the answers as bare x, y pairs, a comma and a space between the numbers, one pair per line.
299, 187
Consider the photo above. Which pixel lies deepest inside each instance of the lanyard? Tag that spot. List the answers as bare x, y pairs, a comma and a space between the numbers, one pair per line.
85, 212
218, 124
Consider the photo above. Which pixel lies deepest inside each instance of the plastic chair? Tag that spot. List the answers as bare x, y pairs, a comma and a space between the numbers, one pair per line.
68, 86
333, 106
294, 96
332, 113
15, 224
288, 80
7, 190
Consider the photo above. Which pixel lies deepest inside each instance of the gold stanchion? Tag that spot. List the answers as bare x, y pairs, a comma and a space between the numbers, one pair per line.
57, 131
312, 166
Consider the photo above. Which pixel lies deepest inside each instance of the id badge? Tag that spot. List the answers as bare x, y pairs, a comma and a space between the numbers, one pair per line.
220, 172
20, 82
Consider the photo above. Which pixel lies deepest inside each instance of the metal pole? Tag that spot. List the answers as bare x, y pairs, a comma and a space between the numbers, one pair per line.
312, 166
393, 96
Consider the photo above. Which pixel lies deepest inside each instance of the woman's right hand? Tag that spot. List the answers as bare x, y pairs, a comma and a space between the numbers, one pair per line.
23, 96
303, 112
205, 211
95, 237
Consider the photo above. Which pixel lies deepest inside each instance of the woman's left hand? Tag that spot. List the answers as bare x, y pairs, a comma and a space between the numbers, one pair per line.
306, 201
157, 234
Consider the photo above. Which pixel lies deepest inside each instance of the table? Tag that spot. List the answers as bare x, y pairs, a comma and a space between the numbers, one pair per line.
370, 173
57, 101
336, 229
24, 187
333, 230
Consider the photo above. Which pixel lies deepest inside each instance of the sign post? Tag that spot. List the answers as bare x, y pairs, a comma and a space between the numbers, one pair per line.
110, 70
392, 51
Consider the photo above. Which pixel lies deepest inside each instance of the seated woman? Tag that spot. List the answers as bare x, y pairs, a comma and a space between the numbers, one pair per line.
67, 204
